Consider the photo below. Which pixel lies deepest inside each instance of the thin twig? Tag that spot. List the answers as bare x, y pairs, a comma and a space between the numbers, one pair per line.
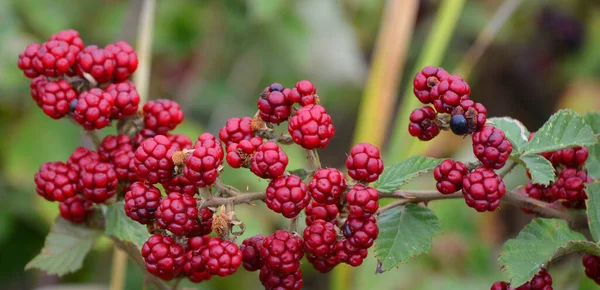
141, 78
508, 169
313, 159
293, 226
224, 188
238, 199
93, 135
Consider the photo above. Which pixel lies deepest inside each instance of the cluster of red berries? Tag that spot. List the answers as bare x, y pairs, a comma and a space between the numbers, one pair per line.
571, 177
88, 83
541, 281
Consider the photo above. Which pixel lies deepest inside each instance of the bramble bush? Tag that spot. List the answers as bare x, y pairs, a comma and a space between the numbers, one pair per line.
159, 197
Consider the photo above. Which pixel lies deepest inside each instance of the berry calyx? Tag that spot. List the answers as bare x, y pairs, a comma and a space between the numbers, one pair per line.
56, 181
483, 189
423, 124
448, 93
425, 80
75, 209
178, 213
281, 252
235, 130
287, 195
163, 256
141, 202
202, 166
162, 115
98, 181
449, 176
491, 147
362, 201
364, 162
250, 249
93, 109
269, 161
327, 186
153, 160
273, 105
311, 127
222, 258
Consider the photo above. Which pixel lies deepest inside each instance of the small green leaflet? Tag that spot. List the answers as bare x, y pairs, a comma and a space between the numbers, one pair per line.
404, 233
514, 130
564, 129
400, 173
593, 209
66, 246
119, 225
542, 171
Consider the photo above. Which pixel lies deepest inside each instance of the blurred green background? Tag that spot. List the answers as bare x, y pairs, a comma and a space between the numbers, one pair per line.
214, 58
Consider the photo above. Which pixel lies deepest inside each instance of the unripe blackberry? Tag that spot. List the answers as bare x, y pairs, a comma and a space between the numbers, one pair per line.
75, 209
425, 80
153, 160
281, 252
163, 256
474, 114
180, 184
483, 189
56, 98
97, 62
273, 105
56, 181
126, 99
195, 265
448, 93
571, 157
26, 60
111, 144
361, 232
423, 124
240, 154
311, 127
449, 176
94, 109
222, 258
178, 213
123, 160
35, 92
362, 201
126, 60
236, 130
303, 93
82, 156
202, 166
162, 115
327, 186
320, 238
287, 195
364, 162
491, 147
269, 161
570, 186
98, 181
69, 36
141, 202
180, 142
250, 249
274, 281
592, 267
54, 58
349, 254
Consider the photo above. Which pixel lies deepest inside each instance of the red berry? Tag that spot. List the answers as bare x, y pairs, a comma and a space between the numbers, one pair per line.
323, 264
422, 124
126, 60
592, 267
303, 93
26, 59
448, 93
311, 127
449, 176
538, 191
541, 281
98, 181
273, 105
180, 142
474, 113
195, 265
425, 80
500, 285
82, 156
274, 281
153, 160
361, 232
362, 201
318, 211
94, 109
75, 209
202, 166
327, 186
281, 252
126, 99
56, 97
240, 154
111, 144
349, 254
235, 130
269, 161
180, 184
97, 62
483, 189
56, 181
141, 201
162, 115
570, 157
178, 213
222, 258
54, 58
69, 36
287, 195
364, 162
142, 135
491, 147
163, 256
35, 92
320, 238
123, 160
250, 249
206, 221
570, 185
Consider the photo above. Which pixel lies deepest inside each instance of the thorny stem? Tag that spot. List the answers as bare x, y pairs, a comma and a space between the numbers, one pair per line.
313, 159
226, 189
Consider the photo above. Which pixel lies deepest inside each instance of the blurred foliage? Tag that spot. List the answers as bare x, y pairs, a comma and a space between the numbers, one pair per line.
214, 57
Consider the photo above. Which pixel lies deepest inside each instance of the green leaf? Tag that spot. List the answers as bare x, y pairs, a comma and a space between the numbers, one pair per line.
542, 171
404, 233
539, 242
593, 162
593, 119
564, 129
119, 225
514, 130
593, 209
66, 246
398, 174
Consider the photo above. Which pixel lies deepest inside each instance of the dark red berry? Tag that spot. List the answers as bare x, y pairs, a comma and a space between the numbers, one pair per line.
425, 80
162, 115
195, 265
287, 195
349, 254
500, 285
96, 62
570, 157
35, 93
126, 60
281, 252
142, 135
202, 166
319, 211
222, 258
82, 156
362, 201
94, 109
123, 160
235, 130
327, 186
275, 281
311, 127
250, 249
240, 154
483, 189
448, 93
126, 99
570, 185
491, 147
323, 264
205, 216
361, 232
449, 176
163, 256
592, 267
69, 36
269, 161
180, 184
111, 144
26, 60
364, 162
153, 160
56, 181
541, 281
54, 58
320, 238
56, 98
178, 213
304, 93
75, 209
180, 142
141, 202
273, 105
538, 191
98, 181
474, 114
423, 124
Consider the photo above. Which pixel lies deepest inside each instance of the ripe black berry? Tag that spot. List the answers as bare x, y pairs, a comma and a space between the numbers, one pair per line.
458, 125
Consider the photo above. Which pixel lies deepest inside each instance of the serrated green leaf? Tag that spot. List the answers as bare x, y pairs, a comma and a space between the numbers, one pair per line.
564, 129
393, 177
593, 209
65, 247
404, 233
119, 225
514, 130
542, 171
539, 242
593, 119
593, 162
